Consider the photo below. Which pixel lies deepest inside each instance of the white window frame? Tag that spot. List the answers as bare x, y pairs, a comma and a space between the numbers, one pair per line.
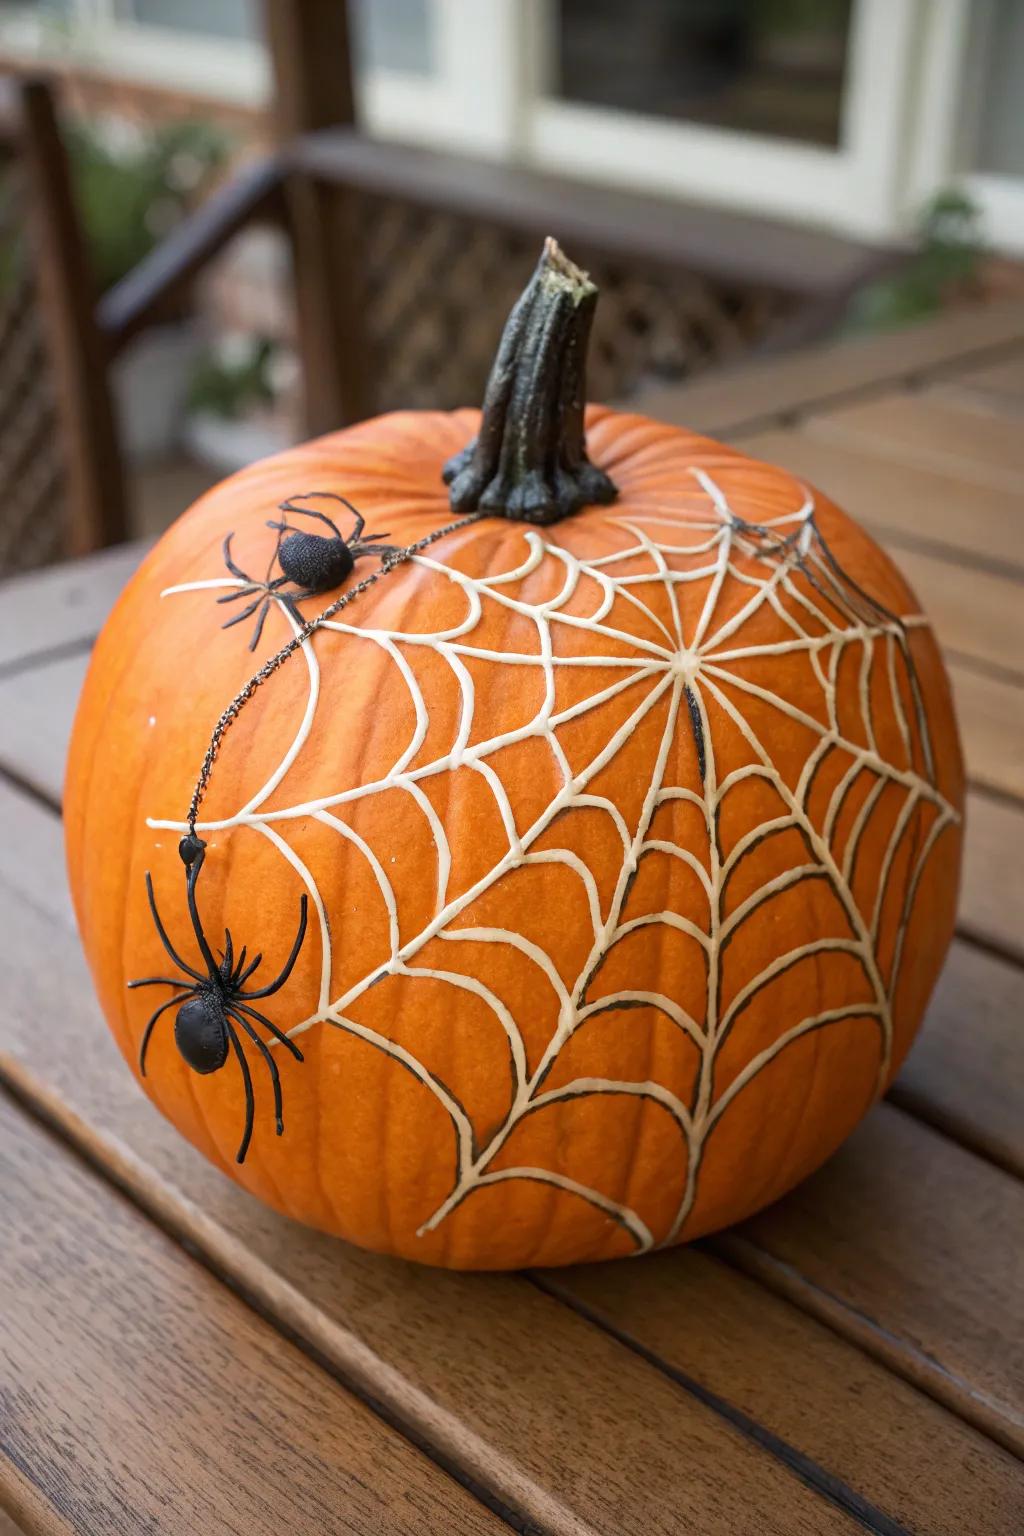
914, 84
235, 71
946, 133
470, 100
855, 188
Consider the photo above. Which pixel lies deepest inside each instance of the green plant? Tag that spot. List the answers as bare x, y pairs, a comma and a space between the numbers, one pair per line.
133, 184
945, 264
234, 376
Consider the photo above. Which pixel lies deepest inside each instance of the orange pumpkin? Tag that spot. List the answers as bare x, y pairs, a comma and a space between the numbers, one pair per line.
601, 861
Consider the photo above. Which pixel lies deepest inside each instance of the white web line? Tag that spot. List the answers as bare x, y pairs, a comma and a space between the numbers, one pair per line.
780, 565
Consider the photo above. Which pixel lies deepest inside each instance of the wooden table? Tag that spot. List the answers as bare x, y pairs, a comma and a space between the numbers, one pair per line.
177, 1359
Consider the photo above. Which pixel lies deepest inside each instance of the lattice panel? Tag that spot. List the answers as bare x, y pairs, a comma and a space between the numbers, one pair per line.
32, 493
439, 288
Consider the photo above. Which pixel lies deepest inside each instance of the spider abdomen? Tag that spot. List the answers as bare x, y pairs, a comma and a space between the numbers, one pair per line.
201, 1032
315, 563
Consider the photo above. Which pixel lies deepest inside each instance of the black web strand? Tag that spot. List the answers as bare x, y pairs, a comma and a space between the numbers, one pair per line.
389, 563
697, 727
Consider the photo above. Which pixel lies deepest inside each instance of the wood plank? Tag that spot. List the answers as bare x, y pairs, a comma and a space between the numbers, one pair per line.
775, 388
992, 894
978, 614
90, 446
996, 388
910, 1244
991, 715
700, 1317
562, 1424
37, 707
62, 606
314, 89
936, 434
1004, 378
906, 505
140, 1394
965, 1074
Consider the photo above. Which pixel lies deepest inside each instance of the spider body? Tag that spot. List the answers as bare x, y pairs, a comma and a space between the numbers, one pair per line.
201, 1031
313, 562
214, 1005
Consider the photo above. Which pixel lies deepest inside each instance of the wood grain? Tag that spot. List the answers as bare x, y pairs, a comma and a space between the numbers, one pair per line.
139, 1394
992, 891
63, 606
98, 512
911, 1245
977, 614
481, 1368
37, 706
1002, 382
965, 1074
907, 506
990, 711
933, 432
762, 394
702, 1318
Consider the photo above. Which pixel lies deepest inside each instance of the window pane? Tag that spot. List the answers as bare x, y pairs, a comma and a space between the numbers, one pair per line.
217, 18
393, 34
1001, 136
765, 66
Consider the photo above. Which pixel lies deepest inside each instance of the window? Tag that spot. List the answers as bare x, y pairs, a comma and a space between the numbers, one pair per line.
394, 35
773, 67
843, 113
1000, 128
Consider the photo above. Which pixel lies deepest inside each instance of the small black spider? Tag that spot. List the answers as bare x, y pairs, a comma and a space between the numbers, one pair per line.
213, 1003
315, 562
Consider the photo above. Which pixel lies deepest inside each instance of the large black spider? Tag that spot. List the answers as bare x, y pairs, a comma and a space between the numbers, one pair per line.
214, 1002
315, 562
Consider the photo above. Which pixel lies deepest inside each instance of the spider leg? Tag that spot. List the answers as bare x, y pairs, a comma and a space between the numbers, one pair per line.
257, 632
278, 1034
201, 939
240, 592
161, 930
232, 567
375, 549
229, 953
289, 963
250, 1107
154, 981
244, 613
275, 1076
238, 968
254, 963
144, 1044
289, 506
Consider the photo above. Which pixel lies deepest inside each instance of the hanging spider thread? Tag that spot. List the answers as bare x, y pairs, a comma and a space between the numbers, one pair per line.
390, 561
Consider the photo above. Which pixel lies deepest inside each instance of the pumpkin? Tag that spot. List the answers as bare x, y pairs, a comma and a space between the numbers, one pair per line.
517, 838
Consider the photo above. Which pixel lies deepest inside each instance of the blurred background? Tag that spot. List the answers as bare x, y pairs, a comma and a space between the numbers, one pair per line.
227, 223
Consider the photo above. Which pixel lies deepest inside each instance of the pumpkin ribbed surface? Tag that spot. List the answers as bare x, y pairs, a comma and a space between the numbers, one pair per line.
630, 844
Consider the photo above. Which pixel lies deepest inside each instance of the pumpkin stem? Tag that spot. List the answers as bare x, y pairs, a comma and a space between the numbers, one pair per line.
529, 461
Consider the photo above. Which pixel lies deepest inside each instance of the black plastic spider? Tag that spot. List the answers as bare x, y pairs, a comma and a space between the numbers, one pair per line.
315, 562
212, 1004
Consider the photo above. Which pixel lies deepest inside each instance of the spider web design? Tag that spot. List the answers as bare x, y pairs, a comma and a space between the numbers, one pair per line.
782, 568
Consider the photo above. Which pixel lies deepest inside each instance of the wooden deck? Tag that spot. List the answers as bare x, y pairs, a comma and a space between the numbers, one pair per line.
175, 1358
